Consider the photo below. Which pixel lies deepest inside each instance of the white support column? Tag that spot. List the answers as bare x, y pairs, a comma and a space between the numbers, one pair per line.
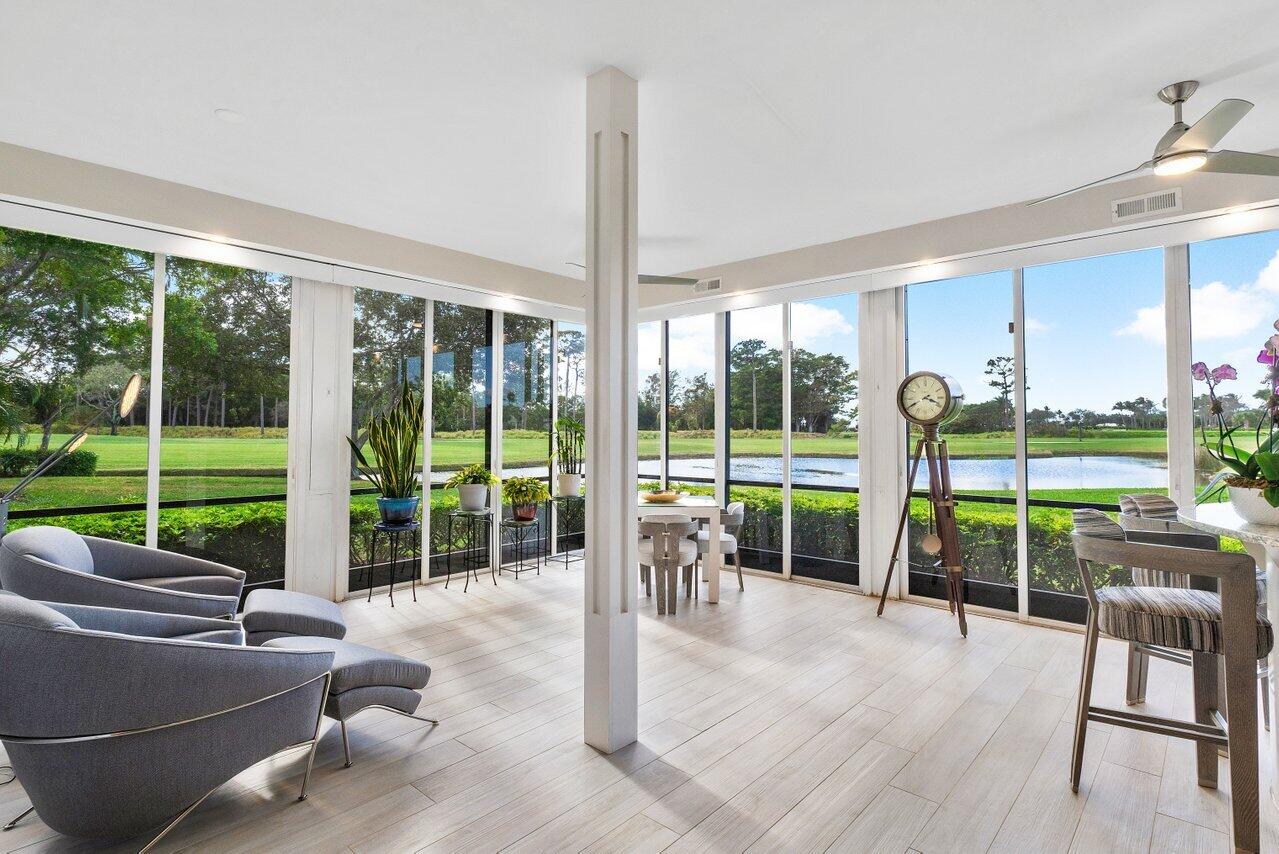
1181, 426
155, 400
317, 553
1019, 402
881, 438
497, 371
663, 361
611, 676
552, 514
721, 408
428, 391
787, 349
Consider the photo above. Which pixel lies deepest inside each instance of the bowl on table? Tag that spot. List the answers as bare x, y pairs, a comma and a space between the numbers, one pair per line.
666, 497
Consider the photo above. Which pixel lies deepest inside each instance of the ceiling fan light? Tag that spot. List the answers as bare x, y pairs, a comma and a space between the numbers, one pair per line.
1180, 164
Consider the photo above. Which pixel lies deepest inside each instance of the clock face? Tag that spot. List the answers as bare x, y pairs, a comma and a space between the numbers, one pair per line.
927, 398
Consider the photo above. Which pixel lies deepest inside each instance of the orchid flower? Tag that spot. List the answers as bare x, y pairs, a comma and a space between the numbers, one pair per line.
1224, 372
1199, 371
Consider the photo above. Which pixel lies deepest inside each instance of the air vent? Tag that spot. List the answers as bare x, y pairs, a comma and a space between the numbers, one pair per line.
707, 286
1165, 201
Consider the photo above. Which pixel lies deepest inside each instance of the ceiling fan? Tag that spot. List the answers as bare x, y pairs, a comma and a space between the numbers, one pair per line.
1187, 148
646, 279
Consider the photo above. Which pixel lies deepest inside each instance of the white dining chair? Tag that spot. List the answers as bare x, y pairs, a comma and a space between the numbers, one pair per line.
666, 548
731, 522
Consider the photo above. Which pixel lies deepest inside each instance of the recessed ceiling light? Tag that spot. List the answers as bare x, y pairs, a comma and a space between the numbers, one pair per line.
231, 117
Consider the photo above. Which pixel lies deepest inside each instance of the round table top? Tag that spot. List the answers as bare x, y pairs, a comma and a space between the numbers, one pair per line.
1221, 519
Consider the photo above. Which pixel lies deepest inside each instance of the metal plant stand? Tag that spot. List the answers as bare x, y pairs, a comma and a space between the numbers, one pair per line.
400, 540
474, 557
520, 530
561, 555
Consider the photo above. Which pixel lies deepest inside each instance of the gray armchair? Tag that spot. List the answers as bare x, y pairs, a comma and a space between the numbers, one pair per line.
113, 733
52, 564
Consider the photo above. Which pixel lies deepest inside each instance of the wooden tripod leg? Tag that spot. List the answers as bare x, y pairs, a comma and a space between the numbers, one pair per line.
936, 497
901, 526
955, 568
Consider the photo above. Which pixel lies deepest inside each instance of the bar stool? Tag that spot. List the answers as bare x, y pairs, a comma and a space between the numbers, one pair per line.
1199, 621
666, 548
1152, 518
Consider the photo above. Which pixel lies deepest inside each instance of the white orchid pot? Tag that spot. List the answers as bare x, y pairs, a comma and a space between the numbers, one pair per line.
1252, 506
568, 485
472, 496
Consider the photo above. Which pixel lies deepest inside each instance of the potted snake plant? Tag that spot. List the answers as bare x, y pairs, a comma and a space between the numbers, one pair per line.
394, 436
570, 441
524, 494
472, 483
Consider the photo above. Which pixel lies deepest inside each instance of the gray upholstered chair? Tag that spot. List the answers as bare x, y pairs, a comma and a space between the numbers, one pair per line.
731, 522
52, 564
114, 732
666, 548
1152, 518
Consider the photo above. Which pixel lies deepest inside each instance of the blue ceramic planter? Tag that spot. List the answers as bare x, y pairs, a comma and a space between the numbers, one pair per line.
397, 511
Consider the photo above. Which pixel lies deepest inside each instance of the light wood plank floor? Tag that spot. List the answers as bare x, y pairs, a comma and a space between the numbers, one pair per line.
786, 718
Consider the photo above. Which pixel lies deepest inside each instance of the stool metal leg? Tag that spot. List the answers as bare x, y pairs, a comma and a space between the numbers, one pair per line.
346, 745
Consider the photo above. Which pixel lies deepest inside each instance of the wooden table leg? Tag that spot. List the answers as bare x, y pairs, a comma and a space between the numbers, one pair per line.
1239, 627
714, 560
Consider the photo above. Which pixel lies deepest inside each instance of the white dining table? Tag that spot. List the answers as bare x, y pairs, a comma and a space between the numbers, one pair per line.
1262, 543
695, 507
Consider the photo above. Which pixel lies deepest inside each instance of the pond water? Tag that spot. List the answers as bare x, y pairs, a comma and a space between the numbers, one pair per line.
1043, 472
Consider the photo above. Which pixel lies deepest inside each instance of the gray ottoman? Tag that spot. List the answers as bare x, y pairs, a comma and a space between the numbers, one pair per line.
270, 614
365, 678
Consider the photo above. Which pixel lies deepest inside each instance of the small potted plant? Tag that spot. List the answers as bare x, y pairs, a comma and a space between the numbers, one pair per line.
472, 483
394, 437
571, 438
1251, 479
524, 494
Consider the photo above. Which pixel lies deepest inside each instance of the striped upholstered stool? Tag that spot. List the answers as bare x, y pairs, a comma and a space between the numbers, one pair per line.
1151, 512
1208, 626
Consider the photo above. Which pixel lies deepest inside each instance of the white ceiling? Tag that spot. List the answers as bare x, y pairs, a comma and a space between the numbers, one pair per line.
764, 125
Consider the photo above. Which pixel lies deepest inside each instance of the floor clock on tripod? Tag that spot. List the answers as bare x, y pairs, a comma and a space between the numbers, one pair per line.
928, 400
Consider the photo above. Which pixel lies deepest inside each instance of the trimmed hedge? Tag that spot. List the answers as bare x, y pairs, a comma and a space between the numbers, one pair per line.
251, 536
17, 462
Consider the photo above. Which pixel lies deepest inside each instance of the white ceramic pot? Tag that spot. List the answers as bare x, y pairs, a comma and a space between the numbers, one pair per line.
1253, 506
472, 496
568, 484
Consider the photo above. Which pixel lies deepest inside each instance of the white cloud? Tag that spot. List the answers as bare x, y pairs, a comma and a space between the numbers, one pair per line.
811, 323
1035, 326
1217, 310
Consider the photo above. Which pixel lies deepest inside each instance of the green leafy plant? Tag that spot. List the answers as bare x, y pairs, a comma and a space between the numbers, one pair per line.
394, 437
474, 474
1256, 470
524, 490
16, 462
571, 440
651, 486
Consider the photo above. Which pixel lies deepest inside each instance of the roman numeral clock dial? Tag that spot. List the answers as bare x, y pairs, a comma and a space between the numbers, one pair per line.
928, 399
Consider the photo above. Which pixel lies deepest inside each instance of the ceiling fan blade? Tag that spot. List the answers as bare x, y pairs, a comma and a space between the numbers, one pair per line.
1131, 173
645, 279
1215, 124
1241, 163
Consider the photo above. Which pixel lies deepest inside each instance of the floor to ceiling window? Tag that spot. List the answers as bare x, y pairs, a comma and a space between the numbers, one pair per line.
1234, 303
389, 346
1096, 377
690, 391
754, 442
224, 428
461, 383
570, 409
824, 462
74, 326
959, 327
526, 403
648, 412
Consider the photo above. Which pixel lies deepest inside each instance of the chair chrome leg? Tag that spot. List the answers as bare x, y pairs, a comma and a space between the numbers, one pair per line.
11, 825
315, 740
346, 745
168, 827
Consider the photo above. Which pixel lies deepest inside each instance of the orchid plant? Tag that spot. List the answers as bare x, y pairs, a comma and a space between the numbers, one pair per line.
1260, 468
